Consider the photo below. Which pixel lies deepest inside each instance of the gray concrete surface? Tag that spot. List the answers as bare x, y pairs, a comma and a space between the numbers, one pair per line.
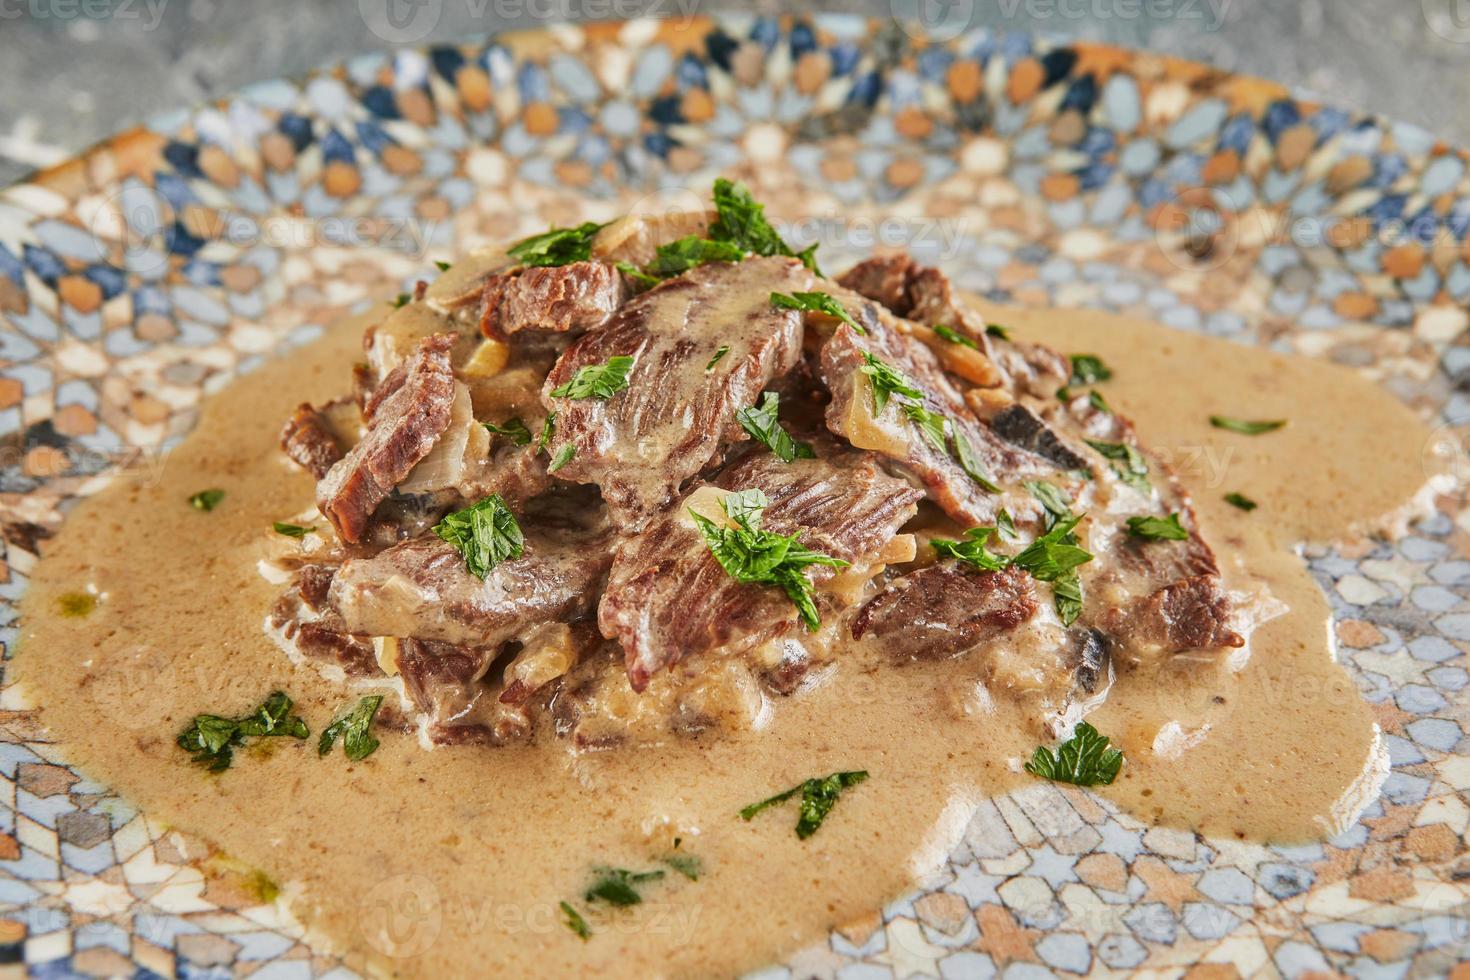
77, 70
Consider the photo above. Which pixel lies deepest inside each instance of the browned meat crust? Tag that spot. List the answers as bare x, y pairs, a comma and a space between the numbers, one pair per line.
404, 427
946, 609
309, 442
668, 597
677, 413
558, 299
422, 589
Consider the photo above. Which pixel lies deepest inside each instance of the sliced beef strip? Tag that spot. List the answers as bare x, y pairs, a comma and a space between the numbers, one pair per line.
1020, 426
558, 299
446, 685
1182, 604
309, 441
945, 609
667, 596
421, 588
677, 413
403, 429
926, 295
893, 434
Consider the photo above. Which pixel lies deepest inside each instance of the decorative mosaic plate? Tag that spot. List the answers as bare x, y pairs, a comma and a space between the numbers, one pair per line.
152, 269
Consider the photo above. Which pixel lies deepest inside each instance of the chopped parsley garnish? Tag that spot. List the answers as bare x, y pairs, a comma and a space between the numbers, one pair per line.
686, 864
1242, 501
212, 740
573, 920
1244, 427
1004, 524
759, 557
600, 381
559, 246
818, 797
564, 455
765, 427
206, 499
816, 303
1158, 528
443, 266
1096, 400
400, 301
636, 274
965, 454
616, 886
352, 728
718, 356
996, 330
1053, 555
1088, 369
886, 381
548, 429
954, 337
1128, 463
513, 429
1083, 760
972, 550
1058, 505
741, 220
485, 534
934, 426
686, 253
292, 530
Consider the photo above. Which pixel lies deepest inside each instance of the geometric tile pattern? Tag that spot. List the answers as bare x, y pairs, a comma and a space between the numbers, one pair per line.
150, 270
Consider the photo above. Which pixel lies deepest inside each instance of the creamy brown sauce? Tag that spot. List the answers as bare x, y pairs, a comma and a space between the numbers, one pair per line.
452, 862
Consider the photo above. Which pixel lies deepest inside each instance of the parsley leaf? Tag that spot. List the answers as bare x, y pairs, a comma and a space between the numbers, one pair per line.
686, 253
1004, 524
211, 739
400, 301
759, 557
486, 534
719, 356
206, 500
292, 530
513, 429
1242, 501
1058, 505
636, 274
970, 463
575, 922
686, 864
564, 455
443, 266
1096, 400
616, 886
972, 550
1066, 593
600, 381
1128, 463
1089, 369
353, 727
548, 429
1083, 760
740, 220
1054, 557
996, 330
559, 246
1158, 528
934, 426
818, 797
1244, 427
887, 381
955, 337
816, 303
765, 427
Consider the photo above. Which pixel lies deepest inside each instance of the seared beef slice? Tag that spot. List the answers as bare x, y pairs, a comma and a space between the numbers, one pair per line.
667, 596
404, 427
946, 609
556, 299
308, 440
422, 589
677, 413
